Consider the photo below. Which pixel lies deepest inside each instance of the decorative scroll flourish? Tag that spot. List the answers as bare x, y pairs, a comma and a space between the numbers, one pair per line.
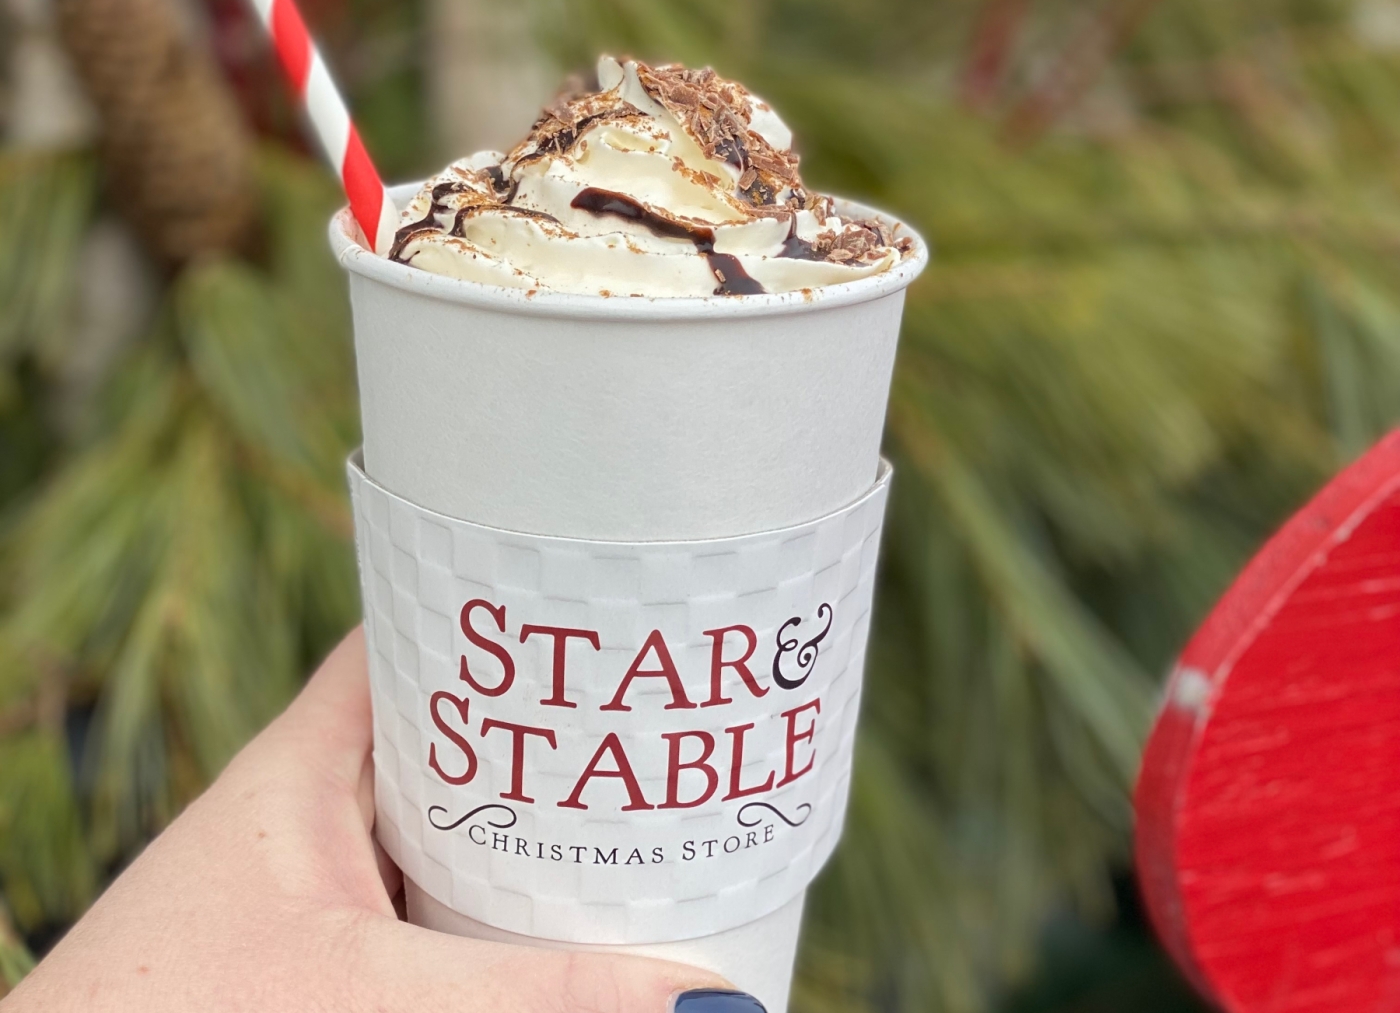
433, 810
806, 653
801, 812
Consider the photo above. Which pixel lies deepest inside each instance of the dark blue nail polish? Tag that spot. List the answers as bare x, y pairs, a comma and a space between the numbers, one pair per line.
716, 1000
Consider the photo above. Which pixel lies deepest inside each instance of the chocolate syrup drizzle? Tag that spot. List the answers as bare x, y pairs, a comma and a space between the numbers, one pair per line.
728, 271
504, 186
428, 223
733, 279
797, 248
404, 236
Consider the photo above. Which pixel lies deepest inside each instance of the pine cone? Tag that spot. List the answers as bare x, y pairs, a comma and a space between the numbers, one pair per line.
175, 146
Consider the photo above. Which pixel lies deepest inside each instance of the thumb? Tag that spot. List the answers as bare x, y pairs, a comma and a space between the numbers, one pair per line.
328, 726
431, 970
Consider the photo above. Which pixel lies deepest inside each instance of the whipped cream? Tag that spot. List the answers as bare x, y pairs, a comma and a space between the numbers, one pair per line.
663, 182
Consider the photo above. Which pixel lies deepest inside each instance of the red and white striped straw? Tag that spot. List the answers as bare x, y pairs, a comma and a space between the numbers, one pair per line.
369, 199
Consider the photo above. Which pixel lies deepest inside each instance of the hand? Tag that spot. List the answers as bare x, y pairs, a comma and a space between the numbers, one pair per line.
269, 894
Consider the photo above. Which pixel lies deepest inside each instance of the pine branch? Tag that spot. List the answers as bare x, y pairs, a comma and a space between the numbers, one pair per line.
45, 708
190, 557
1131, 356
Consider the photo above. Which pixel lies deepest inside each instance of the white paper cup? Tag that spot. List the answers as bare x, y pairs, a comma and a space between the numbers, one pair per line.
675, 481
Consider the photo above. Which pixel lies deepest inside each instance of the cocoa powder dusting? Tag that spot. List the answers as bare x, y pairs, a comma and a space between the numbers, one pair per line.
716, 113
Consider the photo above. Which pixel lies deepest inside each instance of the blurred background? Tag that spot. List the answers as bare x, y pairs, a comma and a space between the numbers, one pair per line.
1165, 306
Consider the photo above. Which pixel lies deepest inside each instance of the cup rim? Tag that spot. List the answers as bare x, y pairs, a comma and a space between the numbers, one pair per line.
355, 258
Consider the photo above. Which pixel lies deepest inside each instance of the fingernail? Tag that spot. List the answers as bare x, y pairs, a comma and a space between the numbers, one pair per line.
716, 1000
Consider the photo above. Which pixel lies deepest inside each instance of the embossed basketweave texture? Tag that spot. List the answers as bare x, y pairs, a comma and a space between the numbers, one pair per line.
610, 742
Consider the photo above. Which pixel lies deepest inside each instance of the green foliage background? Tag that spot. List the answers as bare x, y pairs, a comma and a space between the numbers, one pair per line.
1165, 305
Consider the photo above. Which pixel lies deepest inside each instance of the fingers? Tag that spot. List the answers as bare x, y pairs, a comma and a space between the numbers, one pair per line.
329, 726
429, 970
308, 782
403, 967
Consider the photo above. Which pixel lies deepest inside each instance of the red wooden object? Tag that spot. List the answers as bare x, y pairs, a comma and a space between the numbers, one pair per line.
1268, 836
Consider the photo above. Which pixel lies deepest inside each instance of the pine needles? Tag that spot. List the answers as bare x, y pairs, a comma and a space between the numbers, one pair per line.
45, 210
1158, 315
180, 567
15, 959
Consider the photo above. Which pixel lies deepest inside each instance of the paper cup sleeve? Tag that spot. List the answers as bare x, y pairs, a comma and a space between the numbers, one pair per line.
609, 742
